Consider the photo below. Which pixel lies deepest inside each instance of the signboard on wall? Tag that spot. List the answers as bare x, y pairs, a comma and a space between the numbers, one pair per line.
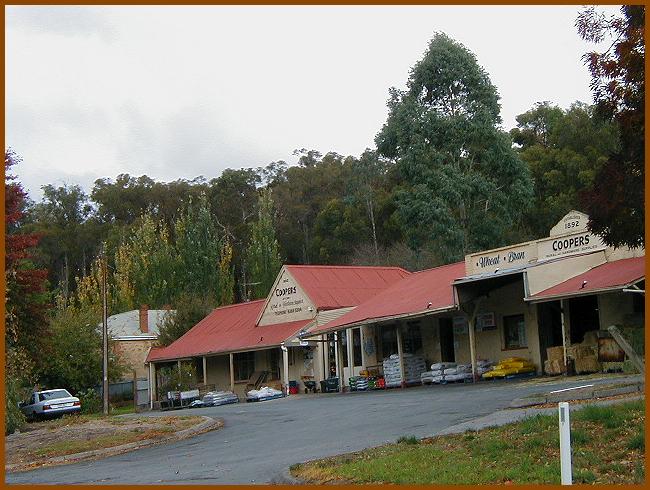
287, 303
460, 325
566, 245
504, 258
572, 222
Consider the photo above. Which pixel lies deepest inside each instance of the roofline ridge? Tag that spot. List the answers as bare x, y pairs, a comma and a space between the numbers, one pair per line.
233, 305
393, 267
439, 267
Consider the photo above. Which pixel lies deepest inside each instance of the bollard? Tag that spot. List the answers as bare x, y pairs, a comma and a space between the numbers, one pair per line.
565, 443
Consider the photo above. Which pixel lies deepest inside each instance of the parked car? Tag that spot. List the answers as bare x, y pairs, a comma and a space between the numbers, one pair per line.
50, 403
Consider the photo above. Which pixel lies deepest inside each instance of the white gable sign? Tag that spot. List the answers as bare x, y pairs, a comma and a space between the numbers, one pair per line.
287, 302
572, 222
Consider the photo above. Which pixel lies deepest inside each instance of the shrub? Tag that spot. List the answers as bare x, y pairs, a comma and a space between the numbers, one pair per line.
14, 418
408, 440
91, 402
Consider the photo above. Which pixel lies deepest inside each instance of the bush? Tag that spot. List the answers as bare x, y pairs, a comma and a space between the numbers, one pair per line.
14, 418
408, 440
91, 402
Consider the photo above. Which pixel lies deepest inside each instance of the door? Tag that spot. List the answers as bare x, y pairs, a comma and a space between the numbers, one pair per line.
446, 340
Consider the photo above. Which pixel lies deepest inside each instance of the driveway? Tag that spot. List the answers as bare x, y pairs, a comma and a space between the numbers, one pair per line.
260, 440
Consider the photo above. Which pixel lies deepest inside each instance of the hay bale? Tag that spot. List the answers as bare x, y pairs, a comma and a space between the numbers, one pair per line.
553, 353
587, 364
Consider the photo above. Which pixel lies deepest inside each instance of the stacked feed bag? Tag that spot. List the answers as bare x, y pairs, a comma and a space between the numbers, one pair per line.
414, 366
358, 383
215, 398
460, 372
510, 366
483, 366
436, 375
264, 393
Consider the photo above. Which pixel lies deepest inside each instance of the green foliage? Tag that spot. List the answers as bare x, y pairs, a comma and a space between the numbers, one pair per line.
564, 151
74, 359
14, 418
465, 186
90, 400
263, 255
408, 440
607, 416
638, 440
226, 274
190, 310
174, 379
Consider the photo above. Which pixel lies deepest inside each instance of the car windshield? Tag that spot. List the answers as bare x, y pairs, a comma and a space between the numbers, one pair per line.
53, 395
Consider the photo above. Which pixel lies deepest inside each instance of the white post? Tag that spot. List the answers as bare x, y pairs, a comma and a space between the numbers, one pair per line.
336, 355
565, 443
152, 384
350, 337
285, 368
400, 353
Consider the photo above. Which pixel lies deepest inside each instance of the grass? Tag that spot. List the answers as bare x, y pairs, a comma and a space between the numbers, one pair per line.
607, 444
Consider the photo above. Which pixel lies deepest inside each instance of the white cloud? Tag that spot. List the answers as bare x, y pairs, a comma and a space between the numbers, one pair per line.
175, 92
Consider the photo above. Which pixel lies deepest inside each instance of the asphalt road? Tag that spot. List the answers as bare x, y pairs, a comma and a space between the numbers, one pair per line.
260, 440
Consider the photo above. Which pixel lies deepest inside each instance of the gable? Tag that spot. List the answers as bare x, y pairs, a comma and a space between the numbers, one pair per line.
287, 302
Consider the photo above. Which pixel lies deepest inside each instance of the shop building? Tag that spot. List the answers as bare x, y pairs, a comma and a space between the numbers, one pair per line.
516, 301
237, 343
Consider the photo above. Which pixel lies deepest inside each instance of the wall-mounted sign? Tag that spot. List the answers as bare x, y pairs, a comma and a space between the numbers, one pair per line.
485, 321
504, 258
460, 325
572, 222
565, 245
287, 303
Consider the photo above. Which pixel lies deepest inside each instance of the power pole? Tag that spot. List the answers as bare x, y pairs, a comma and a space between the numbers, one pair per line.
104, 332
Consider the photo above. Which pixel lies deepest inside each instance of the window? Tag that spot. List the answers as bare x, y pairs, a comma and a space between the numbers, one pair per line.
356, 342
53, 395
412, 338
388, 341
514, 331
244, 365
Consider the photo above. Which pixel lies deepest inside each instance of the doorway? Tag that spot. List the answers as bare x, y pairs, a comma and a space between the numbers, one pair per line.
583, 314
446, 340
550, 326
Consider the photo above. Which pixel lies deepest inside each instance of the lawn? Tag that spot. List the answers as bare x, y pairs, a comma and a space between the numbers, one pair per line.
607, 442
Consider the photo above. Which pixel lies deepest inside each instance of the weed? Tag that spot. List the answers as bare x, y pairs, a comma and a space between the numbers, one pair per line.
606, 416
408, 440
637, 441
579, 437
584, 476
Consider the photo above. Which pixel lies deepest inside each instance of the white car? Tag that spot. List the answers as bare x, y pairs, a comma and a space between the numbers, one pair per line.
50, 403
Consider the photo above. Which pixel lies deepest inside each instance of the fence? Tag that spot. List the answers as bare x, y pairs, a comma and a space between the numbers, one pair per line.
123, 390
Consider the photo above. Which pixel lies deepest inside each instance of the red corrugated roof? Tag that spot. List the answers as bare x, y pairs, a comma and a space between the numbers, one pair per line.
409, 296
227, 329
331, 287
611, 275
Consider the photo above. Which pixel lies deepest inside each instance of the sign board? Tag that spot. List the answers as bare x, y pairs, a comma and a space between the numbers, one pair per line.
460, 325
572, 222
565, 245
503, 258
287, 302
485, 321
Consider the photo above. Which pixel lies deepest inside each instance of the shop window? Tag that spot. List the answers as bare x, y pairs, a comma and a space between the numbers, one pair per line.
413, 338
514, 331
274, 363
388, 341
356, 342
244, 365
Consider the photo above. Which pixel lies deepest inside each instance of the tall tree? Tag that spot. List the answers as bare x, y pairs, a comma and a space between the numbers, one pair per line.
465, 184
263, 254
615, 202
564, 151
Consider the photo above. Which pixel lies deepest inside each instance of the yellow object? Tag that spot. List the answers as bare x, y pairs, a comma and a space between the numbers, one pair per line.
511, 365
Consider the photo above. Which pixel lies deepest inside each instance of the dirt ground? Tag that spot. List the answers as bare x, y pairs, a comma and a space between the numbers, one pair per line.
41, 441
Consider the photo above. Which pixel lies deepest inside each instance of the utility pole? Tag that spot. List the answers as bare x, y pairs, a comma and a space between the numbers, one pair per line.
104, 332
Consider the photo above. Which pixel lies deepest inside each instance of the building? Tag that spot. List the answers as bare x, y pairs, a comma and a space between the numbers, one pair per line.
512, 301
235, 341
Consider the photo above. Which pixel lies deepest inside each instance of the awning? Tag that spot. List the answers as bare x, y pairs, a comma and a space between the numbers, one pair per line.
605, 278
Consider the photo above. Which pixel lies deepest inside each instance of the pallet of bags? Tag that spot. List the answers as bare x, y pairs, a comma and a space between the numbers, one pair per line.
414, 366
509, 367
216, 398
483, 366
263, 394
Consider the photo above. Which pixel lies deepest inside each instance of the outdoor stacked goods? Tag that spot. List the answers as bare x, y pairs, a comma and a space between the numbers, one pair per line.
358, 383
483, 366
264, 393
585, 354
459, 373
414, 366
511, 366
436, 375
376, 383
215, 398
554, 363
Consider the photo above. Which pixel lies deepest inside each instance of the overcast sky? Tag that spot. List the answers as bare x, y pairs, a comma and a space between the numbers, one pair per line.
177, 92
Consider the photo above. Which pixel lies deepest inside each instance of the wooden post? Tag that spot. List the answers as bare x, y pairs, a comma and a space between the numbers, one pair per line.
285, 368
232, 372
565, 338
340, 369
400, 353
627, 348
135, 392
471, 322
350, 338
205, 371
152, 384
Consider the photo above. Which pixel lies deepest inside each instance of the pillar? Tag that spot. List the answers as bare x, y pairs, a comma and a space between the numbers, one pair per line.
205, 371
336, 354
400, 353
350, 337
152, 384
339, 357
232, 372
566, 340
472, 346
285, 368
